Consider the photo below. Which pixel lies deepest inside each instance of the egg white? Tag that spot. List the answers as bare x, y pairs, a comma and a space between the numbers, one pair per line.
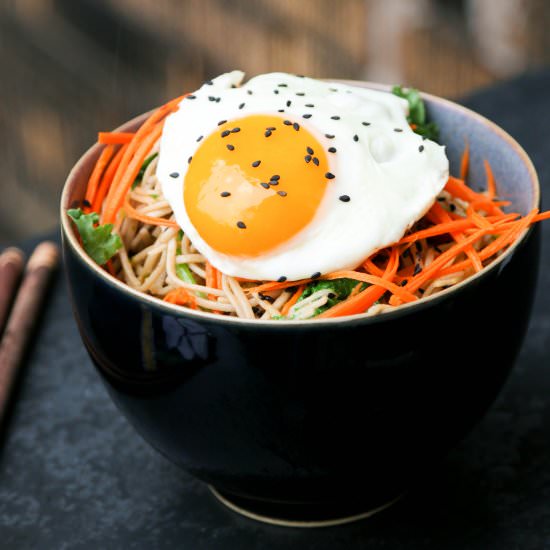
391, 175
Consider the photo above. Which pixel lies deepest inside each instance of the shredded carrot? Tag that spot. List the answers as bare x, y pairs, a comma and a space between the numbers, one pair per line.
465, 162
491, 184
181, 297
292, 300
95, 178
131, 212
459, 189
107, 180
114, 138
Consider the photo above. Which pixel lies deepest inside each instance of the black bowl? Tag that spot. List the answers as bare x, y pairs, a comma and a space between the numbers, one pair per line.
315, 419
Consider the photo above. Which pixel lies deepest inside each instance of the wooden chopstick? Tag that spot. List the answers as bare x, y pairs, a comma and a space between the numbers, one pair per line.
11, 266
23, 316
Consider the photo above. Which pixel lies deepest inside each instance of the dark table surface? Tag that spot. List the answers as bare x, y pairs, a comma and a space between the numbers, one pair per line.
74, 474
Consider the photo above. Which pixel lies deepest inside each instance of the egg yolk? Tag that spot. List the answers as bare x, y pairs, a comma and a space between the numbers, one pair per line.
254, 183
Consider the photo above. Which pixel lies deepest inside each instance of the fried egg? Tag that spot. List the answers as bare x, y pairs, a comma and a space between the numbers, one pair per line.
287, 177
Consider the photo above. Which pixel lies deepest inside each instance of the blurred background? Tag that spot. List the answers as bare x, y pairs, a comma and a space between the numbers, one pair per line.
73, 67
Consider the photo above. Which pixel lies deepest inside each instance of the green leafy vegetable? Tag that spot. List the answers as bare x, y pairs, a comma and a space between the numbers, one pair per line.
97, 240
141, 172
340, 290
417, 113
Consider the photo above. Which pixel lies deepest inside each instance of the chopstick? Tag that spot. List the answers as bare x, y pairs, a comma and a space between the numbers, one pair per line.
23, 316
11, 265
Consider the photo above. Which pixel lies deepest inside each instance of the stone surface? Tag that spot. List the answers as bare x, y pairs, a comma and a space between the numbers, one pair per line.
74, 474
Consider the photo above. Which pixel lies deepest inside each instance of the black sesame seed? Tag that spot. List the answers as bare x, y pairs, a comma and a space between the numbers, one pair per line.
221, 122
296, 126
282, 193
272, 128
452, 207
335, 117
267, 133
332, 149
316, 161
265, 185
241, 105
174, 175
287, 123
209, 82
281, 279
307, 158
275, 177
329, 136
86, 203
275, 91
281, 111
344, 198
282, 85
271, 182
403, 282
365, 123
288, 103
199, 138
418, 246
307, 115
309, 105
235, 130
189, 160
218, 99
249, 92
309, 150
355, 137
300, 94
230, 147
424, 138
225, 194
329, 176
333, 89
225, 133
417, 269
266, 298
191, 97
241, 225
316, 275
398, 129
421, 148
256, 163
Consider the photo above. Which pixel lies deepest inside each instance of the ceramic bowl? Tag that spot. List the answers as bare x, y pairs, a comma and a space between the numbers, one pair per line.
315, 420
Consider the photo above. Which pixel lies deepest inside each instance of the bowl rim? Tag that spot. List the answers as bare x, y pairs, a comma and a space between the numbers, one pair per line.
69, 237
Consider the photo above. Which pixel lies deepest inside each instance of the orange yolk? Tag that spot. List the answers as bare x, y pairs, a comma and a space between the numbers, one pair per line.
254, 183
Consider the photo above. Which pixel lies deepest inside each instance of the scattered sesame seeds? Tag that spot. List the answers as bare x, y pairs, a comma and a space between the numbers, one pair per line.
355, 137
282, 85
404, 282
300, 94
267, 133
332, 149
174, 175
309, 105
275, 91
230, 147
329, 176
281, 279
241, 105
329, 136
335, 117
221, 122
191, 97
316, 275
296, 126
344, 198
272, 182
288, 103
333, 89
208, 82
189, 160
225, 133
272, 128
86, 203
235, 130
309, 150
315, 161
266, 298
281, 111
452, 207
421, 148
256, 163
307, 115
275, 177
287, 123
218, 99
398, 129
225, 194
282, 193
241, 225
199, 138
365, 123
265, 185
249, 92
307, 158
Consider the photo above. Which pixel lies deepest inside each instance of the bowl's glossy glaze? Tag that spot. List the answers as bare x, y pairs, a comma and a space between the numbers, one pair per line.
317, 411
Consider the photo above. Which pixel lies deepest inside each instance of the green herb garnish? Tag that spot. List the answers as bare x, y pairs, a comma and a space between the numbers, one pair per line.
98, 241
417, 113
141, 172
